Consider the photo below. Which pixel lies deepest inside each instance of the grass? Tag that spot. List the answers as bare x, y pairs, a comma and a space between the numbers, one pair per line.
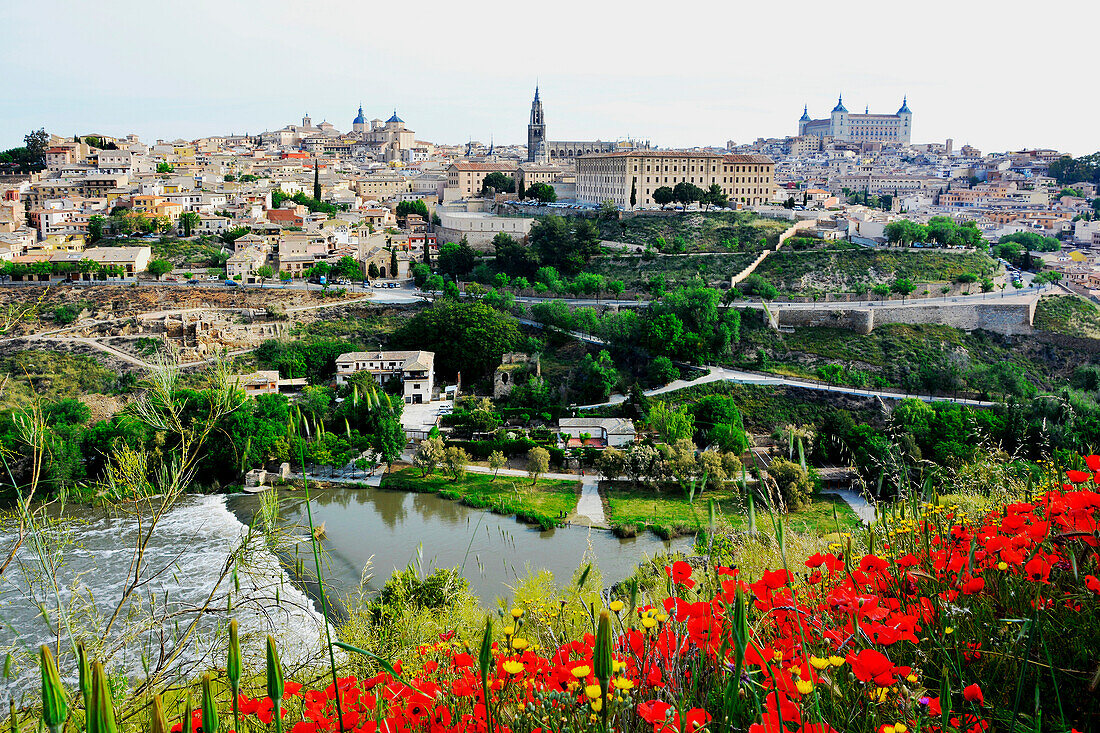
721, 231
841, 270
540, 504
635, 271
1069, 315
377, 328
894, 350
670, 514
52, 375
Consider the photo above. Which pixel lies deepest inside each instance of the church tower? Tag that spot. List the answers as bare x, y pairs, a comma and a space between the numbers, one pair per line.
536, 130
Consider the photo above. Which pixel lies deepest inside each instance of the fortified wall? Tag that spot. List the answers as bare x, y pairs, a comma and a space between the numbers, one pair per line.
1004, 318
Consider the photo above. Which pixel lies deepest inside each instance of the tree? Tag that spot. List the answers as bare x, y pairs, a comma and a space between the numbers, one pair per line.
265, 272
456, 260
616, 287
348, 267
662, 371
497, 461
543, 192
455, 461
567, 248
671, 424
433, 284
95, 227
633, 192
512, 257
609, 210
663, 196
498, 182
393, 262
36, 143
794, 484
881, 290
372, 271
165, 167
468, 337
756, 285
596, 378
687, 193
715, 196
428, 455
316, 180
903, 287
389, 439
159, 267
538, 463
416, 206
189, 221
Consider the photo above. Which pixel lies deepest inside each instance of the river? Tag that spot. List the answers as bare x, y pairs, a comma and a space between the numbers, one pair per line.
391, 529
382, 530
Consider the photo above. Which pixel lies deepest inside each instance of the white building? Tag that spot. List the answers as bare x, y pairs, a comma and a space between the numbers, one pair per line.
415, 369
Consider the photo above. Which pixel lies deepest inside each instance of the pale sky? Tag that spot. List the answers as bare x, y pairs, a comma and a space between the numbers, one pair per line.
998, 75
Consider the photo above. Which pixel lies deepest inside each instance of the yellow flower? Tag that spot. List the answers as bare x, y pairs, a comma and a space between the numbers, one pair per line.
900, 727
616, 606
617, 666
519, 644
912, 678
517, 612
662, 617
582, 671
804, 686
819, 663
649, 622
596, 704
836, 661
777, 656
949, 630
623, 684
509, 630
888, 729
593, 692
512, 666
1002, 565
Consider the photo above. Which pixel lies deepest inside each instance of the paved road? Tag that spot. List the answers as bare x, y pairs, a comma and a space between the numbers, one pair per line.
717, 374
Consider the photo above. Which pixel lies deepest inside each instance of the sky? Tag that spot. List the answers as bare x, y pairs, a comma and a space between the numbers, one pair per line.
998, 75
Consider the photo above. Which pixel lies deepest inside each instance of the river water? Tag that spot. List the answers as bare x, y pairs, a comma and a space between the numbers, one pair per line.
364, 528
391, 529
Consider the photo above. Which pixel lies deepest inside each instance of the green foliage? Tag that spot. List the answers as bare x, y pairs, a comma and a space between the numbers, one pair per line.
159, 268
498, 182
543, 192
756, 285
564, 246
1068, 314
416, 206
456, 259
313, 358
467, 337
164, 167
1067, 170
794, 484
595, 378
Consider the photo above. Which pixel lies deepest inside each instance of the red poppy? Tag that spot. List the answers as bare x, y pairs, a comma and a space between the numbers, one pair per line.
973, 693
871, 665
1078, 477
1093, 462
974, 585
1092, 583
680, 572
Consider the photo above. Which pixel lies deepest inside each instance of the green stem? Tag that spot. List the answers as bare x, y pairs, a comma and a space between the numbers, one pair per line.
321, 591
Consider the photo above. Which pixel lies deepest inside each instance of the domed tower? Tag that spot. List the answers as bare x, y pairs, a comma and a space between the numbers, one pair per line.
839, 120
359, 124
906, 118
803, 120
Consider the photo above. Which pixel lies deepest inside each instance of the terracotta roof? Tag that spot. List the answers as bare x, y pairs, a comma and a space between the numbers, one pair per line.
471, 165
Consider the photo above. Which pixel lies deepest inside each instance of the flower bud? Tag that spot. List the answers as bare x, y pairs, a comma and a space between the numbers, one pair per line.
209, 708
101, 715
274, 680
55, 705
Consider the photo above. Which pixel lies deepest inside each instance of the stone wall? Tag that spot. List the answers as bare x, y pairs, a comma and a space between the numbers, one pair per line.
1004, 318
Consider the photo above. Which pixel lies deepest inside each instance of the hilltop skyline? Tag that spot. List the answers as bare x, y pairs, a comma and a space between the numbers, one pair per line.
703, 89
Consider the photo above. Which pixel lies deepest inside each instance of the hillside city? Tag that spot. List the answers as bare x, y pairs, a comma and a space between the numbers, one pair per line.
555, 434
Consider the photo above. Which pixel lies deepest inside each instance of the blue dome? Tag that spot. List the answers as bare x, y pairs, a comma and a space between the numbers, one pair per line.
904, 106
359, 119
395, 118
840, 105
805, 115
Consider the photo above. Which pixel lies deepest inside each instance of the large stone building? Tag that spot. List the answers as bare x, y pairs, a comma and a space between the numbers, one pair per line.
745, 179
844, 126
540, 149
465, 177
